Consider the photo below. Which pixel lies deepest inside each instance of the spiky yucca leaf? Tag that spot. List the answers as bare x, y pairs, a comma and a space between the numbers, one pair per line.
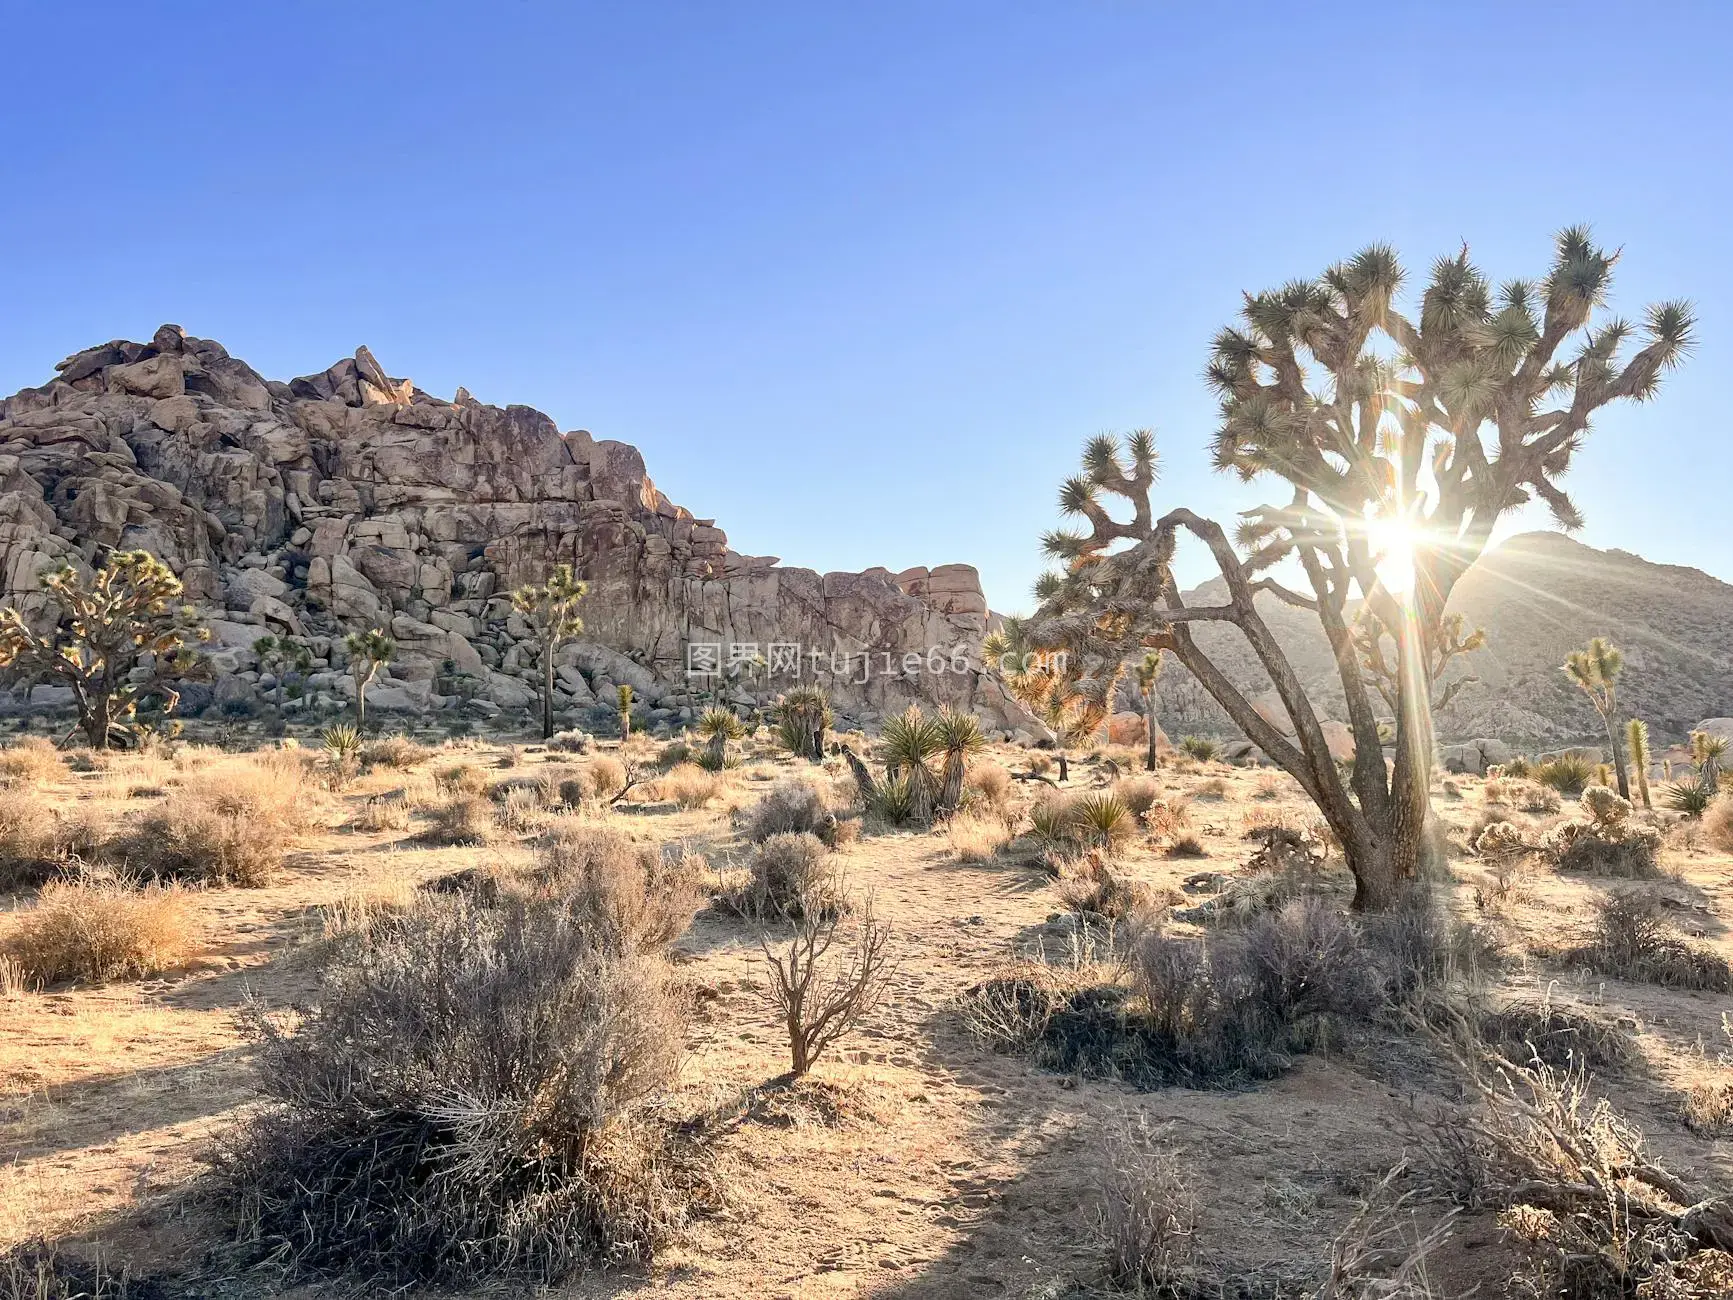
719, 722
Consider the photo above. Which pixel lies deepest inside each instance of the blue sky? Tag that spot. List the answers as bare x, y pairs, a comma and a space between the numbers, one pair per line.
859, 279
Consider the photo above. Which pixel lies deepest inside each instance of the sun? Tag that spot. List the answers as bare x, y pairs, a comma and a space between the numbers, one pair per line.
1393, 543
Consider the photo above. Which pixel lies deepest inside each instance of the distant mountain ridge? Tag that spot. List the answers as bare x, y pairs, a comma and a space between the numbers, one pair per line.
1538, 596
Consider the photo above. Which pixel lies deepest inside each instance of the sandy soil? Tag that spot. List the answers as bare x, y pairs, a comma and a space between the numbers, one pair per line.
923, 1167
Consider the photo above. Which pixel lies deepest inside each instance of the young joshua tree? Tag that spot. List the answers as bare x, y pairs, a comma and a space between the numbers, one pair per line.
368, 651
1148, 672
718, 726
108, 625
1596, 670
960, 739
551, 609
280, 656
1398, 439
1637, 733
802, 717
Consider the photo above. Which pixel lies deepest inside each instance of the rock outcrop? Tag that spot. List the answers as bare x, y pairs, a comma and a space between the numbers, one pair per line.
350, 499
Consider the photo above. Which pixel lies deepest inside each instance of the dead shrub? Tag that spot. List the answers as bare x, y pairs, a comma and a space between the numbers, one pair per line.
627, 896
1556, 1034
466, 1100
1214, 788
31, 761
1186, 846
37, 1270
792, 877
977, 837
689, 785
818, 999
1707, 1107
224, 827
101, 929
461, 819
1146, 1214
1629, 939
793, 806
383, 813
1619, 849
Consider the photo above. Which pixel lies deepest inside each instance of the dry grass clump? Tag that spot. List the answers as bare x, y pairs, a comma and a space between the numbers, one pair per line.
1515, 792
792, 877
689, 785
1555, 1034
1138, 793
977, 837
988, 785
384, 813
27, 841
1089, 886
1146, 1214
1717, 824
467, 1100
463, 779
461, 819
793, 806
1214, 788
96, 930
399, 753
31, 761
605, 777
1186, 846
1629, 939
628, 897
36, 1270
224, 827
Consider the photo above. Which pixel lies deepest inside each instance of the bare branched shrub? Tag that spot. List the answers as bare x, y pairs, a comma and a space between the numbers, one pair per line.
31, 761
1090, 886
97, 930
1146, 1214
1630, 939
1384, 1252
465, 1101
792, 806
629, 897
1593, 1213
820, 998
792, 877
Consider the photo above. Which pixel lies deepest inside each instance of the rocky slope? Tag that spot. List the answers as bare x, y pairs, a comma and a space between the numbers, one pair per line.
1539, 596
350, 499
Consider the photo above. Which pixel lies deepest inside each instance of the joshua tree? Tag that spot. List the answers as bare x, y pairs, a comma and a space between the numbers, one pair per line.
1037, 679
128, 611
718, 726
1399, 439
624, 693
280, 656
911, 741
551, 610
1707, 750
367, 652
802, 717
1148, 672
1637, 733
1596, 669
960, 739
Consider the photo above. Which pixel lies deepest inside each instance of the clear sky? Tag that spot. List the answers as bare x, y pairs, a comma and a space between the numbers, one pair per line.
858, 279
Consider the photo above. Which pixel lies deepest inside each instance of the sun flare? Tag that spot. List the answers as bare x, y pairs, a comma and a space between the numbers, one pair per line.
1393, 543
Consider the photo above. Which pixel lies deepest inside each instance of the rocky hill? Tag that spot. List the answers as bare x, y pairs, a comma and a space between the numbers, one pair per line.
350, 499
1539, 596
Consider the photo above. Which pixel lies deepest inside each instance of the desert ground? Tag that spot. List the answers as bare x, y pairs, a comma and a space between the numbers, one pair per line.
915, 1160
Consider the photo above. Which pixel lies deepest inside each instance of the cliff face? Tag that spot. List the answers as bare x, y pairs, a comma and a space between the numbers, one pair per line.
352, 499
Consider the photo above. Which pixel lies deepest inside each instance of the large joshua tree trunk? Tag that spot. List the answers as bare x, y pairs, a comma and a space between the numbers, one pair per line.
1618, 757
1149, 717
547, 687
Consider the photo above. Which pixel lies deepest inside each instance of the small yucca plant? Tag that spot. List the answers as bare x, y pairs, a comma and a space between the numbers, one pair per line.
1707, 751
1103, 818
1637, 740
1519, 767
718, 726
910, 741
802, 716
1690, 797
960, 739
1054, 821
1201, 748
893, 800
1569, 774
342, 742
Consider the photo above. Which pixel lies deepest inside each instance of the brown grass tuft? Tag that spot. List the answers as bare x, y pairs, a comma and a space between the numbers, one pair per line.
31, 761
97, 930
